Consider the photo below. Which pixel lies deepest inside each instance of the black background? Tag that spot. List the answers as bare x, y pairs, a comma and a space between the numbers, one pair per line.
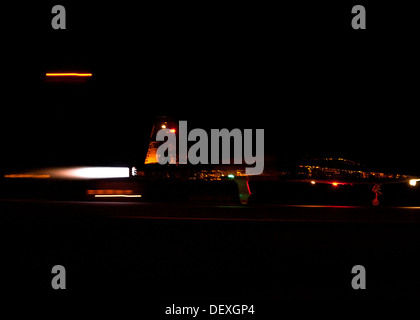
298, 70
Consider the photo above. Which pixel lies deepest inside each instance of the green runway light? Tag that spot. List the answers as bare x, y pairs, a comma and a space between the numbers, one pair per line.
231, 176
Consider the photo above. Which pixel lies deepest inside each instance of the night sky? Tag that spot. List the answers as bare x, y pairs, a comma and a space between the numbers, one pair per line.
299, 71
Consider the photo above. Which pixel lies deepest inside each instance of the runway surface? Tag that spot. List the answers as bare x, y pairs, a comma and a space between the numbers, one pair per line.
160, 253
205, 211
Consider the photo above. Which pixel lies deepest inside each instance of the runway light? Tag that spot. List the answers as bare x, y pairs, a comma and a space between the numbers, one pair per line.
231, 176
312, 182
117, 195
413, 182
109, 192
68, 74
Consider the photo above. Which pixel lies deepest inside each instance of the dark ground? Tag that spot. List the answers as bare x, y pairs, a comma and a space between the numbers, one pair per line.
124, 251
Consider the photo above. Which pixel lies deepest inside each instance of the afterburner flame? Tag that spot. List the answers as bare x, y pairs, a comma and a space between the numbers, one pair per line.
75, 173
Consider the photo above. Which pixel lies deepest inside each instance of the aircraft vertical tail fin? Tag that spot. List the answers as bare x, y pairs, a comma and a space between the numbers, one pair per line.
161, 122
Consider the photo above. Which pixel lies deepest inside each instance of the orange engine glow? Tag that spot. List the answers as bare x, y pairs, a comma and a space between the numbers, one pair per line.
36, 176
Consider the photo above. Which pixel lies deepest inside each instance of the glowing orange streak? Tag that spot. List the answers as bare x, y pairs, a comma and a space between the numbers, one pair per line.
110, 192
39, 176
72, 74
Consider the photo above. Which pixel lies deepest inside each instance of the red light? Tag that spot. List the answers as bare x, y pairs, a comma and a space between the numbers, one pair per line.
172, 130
335, 184
247, 185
